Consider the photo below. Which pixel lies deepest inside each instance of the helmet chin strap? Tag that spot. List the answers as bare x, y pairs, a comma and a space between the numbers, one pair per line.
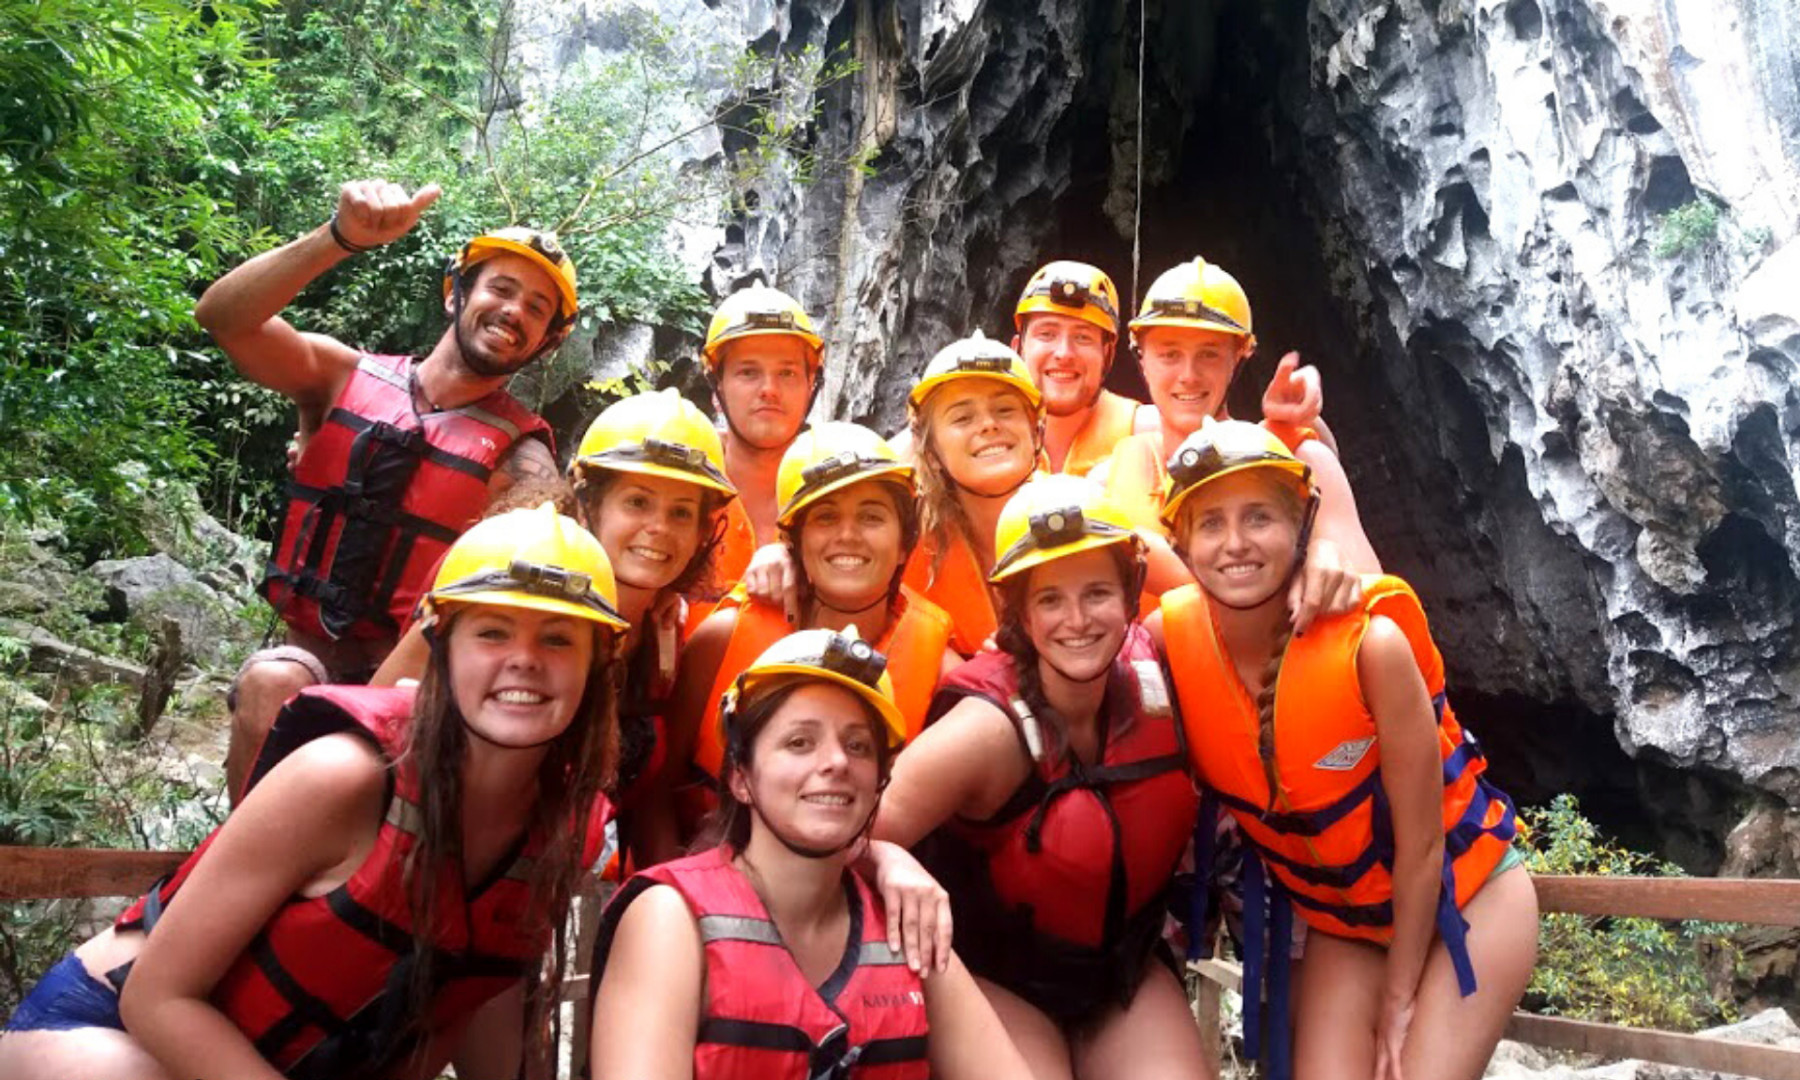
807, 852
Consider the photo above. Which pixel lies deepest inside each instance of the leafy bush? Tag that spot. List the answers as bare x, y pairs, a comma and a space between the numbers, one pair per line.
1633, 971
1687, 228
66, 781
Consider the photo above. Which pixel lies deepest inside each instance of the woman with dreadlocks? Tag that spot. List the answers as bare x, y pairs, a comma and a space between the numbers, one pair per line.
1051, 797
766, 956
1346, 770
402, 857
848, 520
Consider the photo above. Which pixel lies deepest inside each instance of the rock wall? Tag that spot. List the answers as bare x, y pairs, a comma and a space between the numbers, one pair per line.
1582, 451
1491, 178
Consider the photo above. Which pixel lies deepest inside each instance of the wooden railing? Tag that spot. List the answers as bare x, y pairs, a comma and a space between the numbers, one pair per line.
1734, 900
75, 873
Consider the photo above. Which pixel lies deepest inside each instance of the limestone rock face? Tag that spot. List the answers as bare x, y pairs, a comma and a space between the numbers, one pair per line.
1543, 251
1496, 177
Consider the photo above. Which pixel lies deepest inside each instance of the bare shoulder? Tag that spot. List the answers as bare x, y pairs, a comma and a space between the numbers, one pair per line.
1146, 419
337, 775
527, 461
659, 914
974, 729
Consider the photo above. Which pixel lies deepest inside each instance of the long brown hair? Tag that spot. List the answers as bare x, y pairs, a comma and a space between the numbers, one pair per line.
1015, 642
941, 513
578, 765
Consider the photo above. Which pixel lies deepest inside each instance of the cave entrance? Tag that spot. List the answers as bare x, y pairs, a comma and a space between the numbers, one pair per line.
1227, 175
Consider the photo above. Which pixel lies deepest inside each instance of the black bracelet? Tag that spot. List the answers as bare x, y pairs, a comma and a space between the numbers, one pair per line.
354, 249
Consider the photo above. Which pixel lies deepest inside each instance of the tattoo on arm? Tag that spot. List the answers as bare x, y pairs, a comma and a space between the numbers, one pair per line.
529, 464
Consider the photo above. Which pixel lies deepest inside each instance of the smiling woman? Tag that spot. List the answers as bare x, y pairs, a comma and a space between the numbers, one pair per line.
848, 519
1051, 798
768, 956
399, 864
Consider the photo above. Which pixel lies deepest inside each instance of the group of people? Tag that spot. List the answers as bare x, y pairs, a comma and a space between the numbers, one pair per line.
899, 748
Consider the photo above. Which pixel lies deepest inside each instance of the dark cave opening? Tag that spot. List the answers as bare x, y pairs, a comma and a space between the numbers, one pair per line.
1232, 179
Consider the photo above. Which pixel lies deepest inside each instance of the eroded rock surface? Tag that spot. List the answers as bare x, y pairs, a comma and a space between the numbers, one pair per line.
1582, 450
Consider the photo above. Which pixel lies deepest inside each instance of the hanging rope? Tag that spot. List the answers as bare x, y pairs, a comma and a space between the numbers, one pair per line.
1137, 202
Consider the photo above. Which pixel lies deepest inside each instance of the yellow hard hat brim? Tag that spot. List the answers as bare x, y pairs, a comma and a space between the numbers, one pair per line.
923, 388
1062, 551
669, 472
494, 244
532, 602
1172, 507
813, 341
898, 470
773, 677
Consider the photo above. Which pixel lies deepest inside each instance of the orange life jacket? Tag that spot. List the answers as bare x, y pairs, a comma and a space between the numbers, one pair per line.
1109, 423
1136, 478
761, 1018
321, 989
917, 635
1326, 835
959, 587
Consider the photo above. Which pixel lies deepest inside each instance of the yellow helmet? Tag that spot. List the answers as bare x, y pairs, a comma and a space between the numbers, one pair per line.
823, 655
655, 434
758, 311
1052, 517
534, 559
1222, 447
975, 357
1196, 294
829, 457
1070, 288
538, 246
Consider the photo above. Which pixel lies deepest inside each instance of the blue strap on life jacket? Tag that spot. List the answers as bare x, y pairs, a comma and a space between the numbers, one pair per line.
1268, 966
1206, 832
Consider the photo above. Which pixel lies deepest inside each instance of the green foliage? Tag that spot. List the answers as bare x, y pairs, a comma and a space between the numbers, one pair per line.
66, 782
1687, 228
1638, 972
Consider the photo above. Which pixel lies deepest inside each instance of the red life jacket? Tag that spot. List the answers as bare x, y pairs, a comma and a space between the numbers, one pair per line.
761, 1019
1060, 895
378, 497
321, 990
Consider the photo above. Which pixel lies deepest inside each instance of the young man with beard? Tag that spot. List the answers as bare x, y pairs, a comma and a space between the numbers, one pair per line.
401, 453
1067, 323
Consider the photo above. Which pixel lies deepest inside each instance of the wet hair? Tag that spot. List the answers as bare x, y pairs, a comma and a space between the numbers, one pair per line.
904, 505
696, 578
941, 514
730, 823
1016, 643
579, 764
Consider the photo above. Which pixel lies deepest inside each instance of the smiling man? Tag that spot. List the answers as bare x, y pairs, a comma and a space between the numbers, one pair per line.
402, 453
762, 357
1067, 323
